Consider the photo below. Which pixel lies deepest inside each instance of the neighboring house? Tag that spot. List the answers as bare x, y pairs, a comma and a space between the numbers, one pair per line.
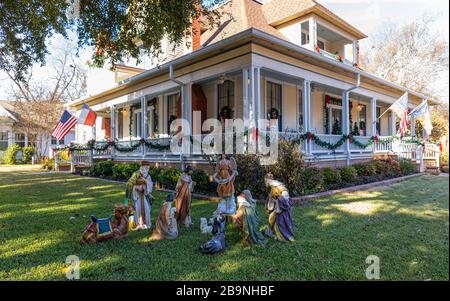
8, 135
293, 60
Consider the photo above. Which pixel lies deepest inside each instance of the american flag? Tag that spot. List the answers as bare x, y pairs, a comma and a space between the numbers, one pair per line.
65, 124
400, 108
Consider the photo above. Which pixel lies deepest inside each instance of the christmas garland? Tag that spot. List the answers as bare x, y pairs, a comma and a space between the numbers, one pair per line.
103, 146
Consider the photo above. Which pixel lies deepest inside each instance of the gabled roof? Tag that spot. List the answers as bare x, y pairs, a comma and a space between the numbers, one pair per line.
8, 107
240, 15
278, 12
237, 16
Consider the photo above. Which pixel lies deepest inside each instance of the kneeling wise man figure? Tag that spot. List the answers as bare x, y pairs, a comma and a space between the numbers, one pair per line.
139, 188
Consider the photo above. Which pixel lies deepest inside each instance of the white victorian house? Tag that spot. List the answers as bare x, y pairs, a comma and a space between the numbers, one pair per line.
290, 60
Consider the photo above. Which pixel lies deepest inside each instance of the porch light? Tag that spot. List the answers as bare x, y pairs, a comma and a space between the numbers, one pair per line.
221, 79
359, 108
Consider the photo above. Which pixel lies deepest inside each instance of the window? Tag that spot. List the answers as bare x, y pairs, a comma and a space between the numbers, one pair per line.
137, 123
225, 100
152, 117
20, 139
55, 142
321, 44
172, 109
333, 115
273, 97
378, 121
3, 141
363, 120
305, 39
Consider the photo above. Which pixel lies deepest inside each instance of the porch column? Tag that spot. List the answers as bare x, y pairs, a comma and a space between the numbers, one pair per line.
113, 128
26, 140
10, 138
94, 132
355, 51
307, 113
257, 98
345, 122
245, 94
144, 122
312, 33
373, 116
186, 114
393, 124
413, 126
251, 107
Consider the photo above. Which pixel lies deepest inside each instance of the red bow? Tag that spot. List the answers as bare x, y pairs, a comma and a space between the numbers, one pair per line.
376, 139
350, 138
256, 134
309, 136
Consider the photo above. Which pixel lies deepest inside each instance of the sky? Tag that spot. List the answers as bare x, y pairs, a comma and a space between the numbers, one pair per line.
367, 15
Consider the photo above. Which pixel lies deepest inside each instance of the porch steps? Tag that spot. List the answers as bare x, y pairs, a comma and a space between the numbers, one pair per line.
433, 170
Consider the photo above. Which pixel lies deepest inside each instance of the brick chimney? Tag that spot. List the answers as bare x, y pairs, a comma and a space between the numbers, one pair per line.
196, 30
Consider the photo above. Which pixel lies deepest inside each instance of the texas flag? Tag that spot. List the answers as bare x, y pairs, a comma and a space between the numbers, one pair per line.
87, 116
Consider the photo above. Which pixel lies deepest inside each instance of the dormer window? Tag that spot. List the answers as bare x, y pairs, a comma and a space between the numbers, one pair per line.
321, 44
305, 39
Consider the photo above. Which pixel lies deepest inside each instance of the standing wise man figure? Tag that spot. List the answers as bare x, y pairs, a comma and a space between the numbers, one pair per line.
183, 196
139, 188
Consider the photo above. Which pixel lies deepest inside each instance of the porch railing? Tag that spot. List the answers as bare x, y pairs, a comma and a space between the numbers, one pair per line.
333, 57
383, 147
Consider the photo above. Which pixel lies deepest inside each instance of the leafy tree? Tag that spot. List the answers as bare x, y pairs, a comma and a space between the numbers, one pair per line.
117, 29
411, 54
415, 56
39, 103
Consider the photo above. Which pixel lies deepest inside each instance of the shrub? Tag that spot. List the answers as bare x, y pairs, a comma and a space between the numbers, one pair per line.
348, 174
129, 169
155, 173
387, 168
331, 178
444, 158
169, 178
102, 169
289, 166
251, 176
48, 164
118, 171
407, 167
27, 154
365, 169
10, 155
312, 181
394, 169
200, 177
381, 167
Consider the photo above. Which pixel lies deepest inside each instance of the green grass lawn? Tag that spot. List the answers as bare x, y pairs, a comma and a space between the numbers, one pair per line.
406, 226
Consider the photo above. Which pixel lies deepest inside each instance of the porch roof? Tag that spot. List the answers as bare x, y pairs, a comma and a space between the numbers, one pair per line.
251, 36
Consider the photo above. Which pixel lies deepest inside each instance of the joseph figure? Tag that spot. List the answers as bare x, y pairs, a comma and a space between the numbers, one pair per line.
139, 188
183, 197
